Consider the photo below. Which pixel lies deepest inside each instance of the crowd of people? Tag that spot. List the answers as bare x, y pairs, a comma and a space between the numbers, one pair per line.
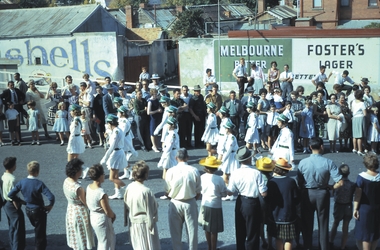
268, 115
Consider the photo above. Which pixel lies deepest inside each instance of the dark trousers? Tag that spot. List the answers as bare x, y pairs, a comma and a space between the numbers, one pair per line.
37, 218
315, 200
185, 129
199, 129
247, 223
286, 88
236, 121
144, 128
240, 82
348, 88
16, 222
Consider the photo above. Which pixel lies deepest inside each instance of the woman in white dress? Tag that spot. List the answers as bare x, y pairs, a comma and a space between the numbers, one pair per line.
75, 145
223, 114
33, 94
114, 158
333, 112
129, 150
101, 214
229, 162
252, 137
210, 136
283, 147
141, 211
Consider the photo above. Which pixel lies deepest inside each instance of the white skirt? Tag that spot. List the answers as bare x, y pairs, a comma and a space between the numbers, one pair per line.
168, 160
117, 160
75, 145
142, 238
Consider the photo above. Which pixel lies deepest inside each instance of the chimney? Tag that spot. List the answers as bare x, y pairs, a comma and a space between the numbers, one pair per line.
129, 16
260, 6
179, 8
142, 5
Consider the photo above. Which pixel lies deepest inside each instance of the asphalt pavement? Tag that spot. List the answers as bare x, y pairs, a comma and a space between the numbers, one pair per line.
53, 157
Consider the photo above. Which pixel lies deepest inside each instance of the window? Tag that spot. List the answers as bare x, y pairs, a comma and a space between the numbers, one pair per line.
344, 3
38, 60
372, 3
317, 3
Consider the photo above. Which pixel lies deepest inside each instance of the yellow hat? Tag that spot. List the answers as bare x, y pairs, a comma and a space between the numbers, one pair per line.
265, 164
283, 163
210, 162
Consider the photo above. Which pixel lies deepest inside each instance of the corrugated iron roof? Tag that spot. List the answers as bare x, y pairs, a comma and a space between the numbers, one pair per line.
355, 24
282, 12
163, 17
119, 15
44, 21
227, 11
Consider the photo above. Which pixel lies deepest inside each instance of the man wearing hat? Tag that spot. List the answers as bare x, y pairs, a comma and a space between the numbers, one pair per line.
314, 174
249, 184
283, 147
108, 98
364, 82
155, 84
183, 186
197, 109
163, 91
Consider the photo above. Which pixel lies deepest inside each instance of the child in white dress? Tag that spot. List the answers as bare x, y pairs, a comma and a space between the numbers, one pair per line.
252, 137
229, 162
210, 136
85, 132
75, 145
223, 114
61, 124
33, 122
374, 129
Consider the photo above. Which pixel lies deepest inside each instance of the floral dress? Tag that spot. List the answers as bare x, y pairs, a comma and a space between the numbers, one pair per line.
79, 233
53, 109
319, 121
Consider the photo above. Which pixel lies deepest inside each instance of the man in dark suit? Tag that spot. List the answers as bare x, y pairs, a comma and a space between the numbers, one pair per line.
197, 109
108, 105
17, 97
235, 109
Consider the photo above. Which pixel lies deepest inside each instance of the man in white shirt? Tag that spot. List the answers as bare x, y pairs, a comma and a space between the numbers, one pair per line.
183, 186
341, 79
209, 79
90, 85
286, 79
249, 184
321, 76
66, 93
240, 74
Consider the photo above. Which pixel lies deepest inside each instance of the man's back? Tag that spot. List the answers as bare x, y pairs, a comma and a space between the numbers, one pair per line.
183, 182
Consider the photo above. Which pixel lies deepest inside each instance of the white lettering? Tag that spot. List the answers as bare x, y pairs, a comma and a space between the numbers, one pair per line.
223, 50
238, 51
266, 50
232, 50
244, 50
280, 50
273, 49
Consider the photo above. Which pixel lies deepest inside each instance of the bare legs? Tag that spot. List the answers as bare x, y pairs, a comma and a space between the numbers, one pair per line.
212, 239
114, 177
71, 156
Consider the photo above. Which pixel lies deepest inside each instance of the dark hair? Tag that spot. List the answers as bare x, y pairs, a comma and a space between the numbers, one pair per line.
337, 87
367, 87
68, 76
359, 94
215, 86
345, 72
294, 93
300, 89
288, 102
321, 92
344, 170
355, 87
280, 171
261, 91
208, 70
322, 67
95, 172
17, 74
31, 103
316, 143
232, 92
321, 84
114, 123
10, 82
287, 65
73, 167
9, 162
371, 161
333, 95
176, 90
107, 77
83, 84
273, 62
140, 171
182, 154
210, 170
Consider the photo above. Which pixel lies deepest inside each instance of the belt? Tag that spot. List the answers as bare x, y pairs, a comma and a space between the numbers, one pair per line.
221, 134
126, 134
233, 151
241, 77
77, 135
247, 197
282, 146
213, 127
116, 149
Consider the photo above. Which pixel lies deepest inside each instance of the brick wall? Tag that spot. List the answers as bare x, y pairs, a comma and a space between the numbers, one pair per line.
359, 10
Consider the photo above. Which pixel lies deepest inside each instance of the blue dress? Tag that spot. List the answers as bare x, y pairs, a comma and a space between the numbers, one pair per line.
367, 228
307, 114
61, 124
155, 119
33, 119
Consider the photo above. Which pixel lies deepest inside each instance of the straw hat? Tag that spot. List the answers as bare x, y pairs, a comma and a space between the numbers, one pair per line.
210, 162
283, 163
265, 164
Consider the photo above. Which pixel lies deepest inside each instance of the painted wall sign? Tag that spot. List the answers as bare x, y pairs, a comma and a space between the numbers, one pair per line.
95, 54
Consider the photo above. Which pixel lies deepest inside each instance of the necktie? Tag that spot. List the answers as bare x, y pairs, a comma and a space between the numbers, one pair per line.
14, 97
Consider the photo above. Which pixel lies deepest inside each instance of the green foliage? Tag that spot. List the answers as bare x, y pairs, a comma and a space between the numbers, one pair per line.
189, 24
372, 25
117, 4
249, 3
271, 3
32, 3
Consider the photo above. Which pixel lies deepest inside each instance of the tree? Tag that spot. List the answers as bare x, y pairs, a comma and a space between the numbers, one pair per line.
189, 23
372, 25
117, 4
32, 3
249, 3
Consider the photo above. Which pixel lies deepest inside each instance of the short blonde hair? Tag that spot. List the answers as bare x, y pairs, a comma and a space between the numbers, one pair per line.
374, 109
60, 105
153, 91
33, 167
